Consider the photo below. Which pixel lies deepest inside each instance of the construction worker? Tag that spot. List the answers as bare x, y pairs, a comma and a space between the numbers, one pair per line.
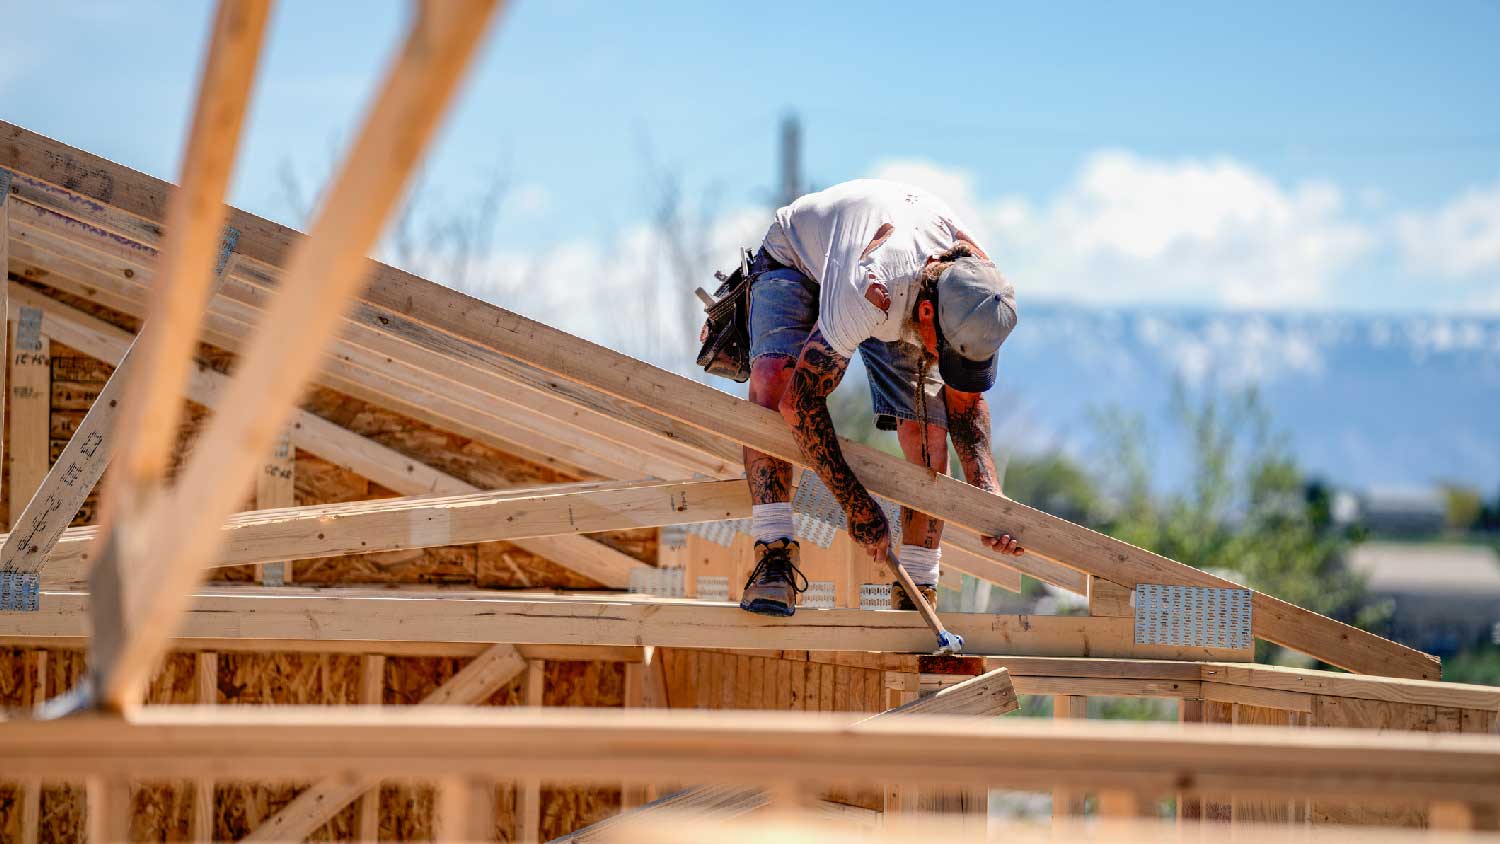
887, 269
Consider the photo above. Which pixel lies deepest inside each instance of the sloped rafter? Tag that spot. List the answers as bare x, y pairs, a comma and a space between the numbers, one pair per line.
364, 456
49, 238
581, 372
400, 524
97, 338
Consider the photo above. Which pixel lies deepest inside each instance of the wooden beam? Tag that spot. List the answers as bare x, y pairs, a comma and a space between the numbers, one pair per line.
5, 178
529, 788
313, 807
151, 410
323, 438
30, 410
207, 681
373, 615
83, 460
1068, 802
988, 695
967, 554
142, 581
371, 693
579, 745
603, 380
275, 486
394, 524
82, 259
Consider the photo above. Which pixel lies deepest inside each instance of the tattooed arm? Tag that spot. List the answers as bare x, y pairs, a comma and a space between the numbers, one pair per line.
805, 408
969, 427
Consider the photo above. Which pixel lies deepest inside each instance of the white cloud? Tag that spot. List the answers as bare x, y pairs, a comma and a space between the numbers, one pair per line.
1132, 230
1458, 241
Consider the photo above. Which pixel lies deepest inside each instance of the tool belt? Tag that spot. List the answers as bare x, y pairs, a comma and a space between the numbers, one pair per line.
726, 331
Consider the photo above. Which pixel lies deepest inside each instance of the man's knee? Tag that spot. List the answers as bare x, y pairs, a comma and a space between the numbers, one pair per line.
769, 377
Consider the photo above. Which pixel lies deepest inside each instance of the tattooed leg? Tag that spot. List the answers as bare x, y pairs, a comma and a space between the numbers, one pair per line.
805, 408
918, 528
770, 479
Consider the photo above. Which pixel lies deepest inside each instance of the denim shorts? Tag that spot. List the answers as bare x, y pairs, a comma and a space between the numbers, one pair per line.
783, 311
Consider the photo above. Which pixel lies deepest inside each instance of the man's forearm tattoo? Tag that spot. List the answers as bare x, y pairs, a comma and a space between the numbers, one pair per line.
969, 426
770, 479
818, 373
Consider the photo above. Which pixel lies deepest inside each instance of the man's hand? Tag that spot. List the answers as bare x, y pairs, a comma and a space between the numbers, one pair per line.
868, 526
1003, 544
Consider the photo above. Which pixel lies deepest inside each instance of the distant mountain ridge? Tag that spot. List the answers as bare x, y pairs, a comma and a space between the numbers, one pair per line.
1367, 400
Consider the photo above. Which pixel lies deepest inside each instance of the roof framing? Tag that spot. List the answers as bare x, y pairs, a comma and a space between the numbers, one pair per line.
656, 401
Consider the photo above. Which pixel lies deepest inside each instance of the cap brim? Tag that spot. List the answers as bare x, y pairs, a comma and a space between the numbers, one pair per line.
964, 375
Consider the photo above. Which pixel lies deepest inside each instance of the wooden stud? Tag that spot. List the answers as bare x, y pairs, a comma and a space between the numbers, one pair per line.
313, 807
107, 810
275, 486
529, 789
5, 178
371, 693
207, 680
1119, 804
325, 439
633, 794
1189, 806
30, 410
1068, 802
1108, 598
142, 581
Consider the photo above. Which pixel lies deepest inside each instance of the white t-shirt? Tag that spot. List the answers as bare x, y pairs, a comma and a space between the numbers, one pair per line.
822, 234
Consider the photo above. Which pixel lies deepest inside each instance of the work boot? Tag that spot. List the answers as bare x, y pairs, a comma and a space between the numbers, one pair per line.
776, 581
902, 601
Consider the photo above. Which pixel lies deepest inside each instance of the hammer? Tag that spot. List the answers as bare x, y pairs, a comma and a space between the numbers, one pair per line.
947, 643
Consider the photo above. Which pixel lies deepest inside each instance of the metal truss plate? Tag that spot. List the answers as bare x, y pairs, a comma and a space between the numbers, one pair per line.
720, 533
673, 536
819, 595
712, 588
19, 590
660, 583
1193, 616
874, 596
819, 516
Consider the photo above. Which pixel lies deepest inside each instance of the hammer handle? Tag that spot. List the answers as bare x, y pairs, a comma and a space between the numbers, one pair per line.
929, 614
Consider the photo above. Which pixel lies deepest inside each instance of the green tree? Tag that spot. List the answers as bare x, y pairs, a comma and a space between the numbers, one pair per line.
1243, 511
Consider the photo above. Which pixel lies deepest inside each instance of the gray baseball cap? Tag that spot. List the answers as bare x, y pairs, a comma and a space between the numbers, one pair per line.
976, 310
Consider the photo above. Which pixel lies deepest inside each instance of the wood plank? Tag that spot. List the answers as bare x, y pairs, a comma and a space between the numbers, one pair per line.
142, 588
151, 411
373, 615
1108, 598
30, 410
529, 788
313, 807
474, 323
5, 179
1250, 696
56, 248
1085, 686
371, 693
1068, 802
1393, 690
275, 486
206, 678
327, 440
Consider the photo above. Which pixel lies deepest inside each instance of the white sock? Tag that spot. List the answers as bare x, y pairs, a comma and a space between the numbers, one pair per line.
770, 522
921, 563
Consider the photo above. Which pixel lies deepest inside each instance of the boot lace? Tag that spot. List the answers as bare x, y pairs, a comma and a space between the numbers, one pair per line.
776, 566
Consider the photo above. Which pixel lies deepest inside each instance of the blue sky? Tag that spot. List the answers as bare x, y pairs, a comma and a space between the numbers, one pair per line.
1264, 156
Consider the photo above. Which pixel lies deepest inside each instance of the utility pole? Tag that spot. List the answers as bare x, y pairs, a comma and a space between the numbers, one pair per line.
791, 159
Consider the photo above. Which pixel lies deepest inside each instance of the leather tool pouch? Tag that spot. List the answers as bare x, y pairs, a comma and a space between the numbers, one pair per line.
726, 332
